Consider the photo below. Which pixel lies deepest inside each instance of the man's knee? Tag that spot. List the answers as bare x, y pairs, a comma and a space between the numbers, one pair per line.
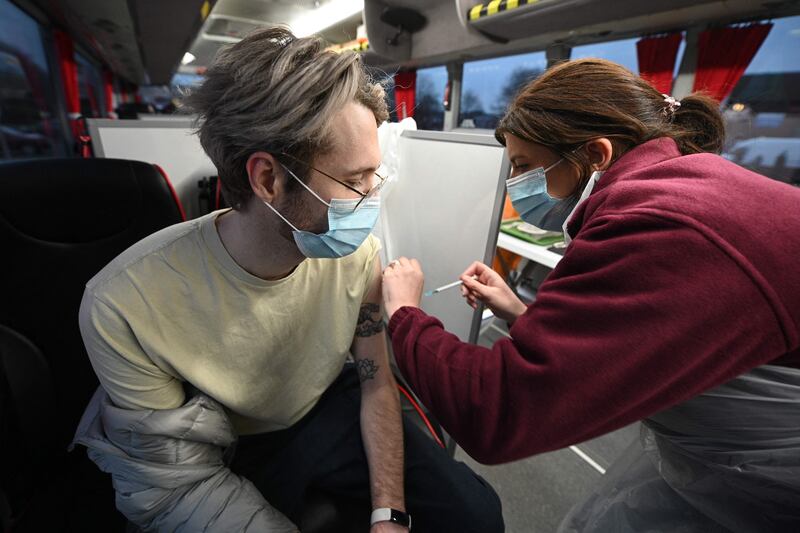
479, 509
461, 500
446, 492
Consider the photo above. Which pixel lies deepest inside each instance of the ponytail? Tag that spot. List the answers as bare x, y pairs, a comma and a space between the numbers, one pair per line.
698, 125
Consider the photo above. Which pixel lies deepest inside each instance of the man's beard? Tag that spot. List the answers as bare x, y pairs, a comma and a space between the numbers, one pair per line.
305, 212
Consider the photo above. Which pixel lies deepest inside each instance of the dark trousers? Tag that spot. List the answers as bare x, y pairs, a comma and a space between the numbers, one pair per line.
323, 454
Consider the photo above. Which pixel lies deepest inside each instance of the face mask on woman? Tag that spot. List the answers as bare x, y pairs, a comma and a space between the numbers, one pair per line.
534, 204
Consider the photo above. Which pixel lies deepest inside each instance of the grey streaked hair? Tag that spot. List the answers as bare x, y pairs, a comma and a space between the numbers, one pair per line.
276, 93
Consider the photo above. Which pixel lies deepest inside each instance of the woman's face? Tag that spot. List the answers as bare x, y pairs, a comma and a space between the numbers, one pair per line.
562, 179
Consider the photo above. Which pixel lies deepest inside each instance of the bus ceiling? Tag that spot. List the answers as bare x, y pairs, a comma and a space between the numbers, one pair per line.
458, 30
142, 41
335, 20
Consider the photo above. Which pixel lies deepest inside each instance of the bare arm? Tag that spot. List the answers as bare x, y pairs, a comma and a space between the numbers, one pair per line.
381, 426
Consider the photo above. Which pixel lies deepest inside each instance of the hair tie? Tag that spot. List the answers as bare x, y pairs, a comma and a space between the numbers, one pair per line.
671, 105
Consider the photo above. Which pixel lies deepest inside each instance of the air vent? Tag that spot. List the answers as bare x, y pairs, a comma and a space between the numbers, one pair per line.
231, 28
109, 26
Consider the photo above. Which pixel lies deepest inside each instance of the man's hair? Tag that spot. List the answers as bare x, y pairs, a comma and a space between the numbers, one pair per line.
276, 93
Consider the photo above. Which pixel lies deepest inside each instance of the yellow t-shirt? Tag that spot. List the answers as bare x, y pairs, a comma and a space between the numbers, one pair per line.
176, 307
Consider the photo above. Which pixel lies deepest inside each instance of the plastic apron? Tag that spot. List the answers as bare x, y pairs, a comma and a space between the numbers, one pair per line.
726, 460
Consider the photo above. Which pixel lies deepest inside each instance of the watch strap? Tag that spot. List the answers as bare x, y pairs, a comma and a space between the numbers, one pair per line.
386, 514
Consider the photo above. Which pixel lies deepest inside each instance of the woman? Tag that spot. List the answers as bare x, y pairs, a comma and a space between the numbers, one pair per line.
677, 302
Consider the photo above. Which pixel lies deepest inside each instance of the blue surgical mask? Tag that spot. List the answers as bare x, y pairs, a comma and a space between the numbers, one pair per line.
534, 204
347, 228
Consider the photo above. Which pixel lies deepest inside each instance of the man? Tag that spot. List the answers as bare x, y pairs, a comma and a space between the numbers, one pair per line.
258, 308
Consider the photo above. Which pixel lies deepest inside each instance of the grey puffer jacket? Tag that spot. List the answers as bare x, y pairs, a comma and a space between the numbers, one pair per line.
168, 468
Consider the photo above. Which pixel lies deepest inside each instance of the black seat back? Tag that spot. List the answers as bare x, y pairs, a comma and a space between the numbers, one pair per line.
28, 451
61, 221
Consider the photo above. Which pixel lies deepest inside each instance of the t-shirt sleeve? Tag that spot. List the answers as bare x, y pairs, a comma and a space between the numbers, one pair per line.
125, 371
371, 248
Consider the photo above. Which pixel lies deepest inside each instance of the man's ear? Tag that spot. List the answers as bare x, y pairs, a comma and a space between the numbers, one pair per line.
266, 176
601, 153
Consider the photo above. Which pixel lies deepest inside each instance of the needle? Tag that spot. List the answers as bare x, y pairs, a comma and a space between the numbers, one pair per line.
445, 287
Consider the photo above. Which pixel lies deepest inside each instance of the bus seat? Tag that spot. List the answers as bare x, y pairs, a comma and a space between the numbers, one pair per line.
45, 489
61, 221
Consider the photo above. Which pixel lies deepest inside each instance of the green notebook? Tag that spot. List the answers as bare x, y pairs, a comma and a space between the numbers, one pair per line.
522, 230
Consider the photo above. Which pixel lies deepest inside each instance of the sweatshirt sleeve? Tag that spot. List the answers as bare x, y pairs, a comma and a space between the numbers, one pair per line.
641, 314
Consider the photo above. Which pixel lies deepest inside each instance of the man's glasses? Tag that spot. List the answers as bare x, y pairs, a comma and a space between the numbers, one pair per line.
380, 180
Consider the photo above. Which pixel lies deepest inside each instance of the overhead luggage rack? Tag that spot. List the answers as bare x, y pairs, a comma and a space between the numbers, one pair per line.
519, 19
494, 7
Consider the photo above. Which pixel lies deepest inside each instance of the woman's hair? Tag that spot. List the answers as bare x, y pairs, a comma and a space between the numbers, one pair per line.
577, 101
276, 93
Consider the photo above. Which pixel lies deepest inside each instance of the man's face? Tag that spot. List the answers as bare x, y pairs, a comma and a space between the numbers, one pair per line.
353, 160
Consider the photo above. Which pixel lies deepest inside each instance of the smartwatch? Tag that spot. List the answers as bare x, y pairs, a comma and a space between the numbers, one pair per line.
385, 514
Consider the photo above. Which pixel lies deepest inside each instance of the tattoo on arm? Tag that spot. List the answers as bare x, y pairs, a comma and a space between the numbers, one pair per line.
368, 325
366, 369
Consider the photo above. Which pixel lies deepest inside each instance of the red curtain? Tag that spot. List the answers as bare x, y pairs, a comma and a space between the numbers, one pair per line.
69, 76
657, 60
108, 93
405, 86
130, 93
723, 54
93, 103
124, 95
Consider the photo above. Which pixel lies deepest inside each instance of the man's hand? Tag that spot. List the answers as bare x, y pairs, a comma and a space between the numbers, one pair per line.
402, 285
483, 284
388, 527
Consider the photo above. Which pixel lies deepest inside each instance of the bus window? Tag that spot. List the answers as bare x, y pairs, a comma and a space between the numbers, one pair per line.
489, 85
159, 97
622, 52
429, 98
762, 113
183, 83
29, 125
90, 87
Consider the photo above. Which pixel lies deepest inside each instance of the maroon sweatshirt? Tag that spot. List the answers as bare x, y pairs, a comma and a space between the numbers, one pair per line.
684, 273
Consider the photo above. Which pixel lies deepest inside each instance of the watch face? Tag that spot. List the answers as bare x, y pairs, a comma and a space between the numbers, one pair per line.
401, 518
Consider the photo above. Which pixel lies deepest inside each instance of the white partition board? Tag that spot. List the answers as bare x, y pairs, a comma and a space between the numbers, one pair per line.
444, 210
167, 143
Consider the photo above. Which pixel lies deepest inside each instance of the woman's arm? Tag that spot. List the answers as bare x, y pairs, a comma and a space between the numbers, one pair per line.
642, 313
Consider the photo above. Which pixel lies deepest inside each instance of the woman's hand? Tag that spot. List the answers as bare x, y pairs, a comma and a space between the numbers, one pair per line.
402, 284
482, 284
